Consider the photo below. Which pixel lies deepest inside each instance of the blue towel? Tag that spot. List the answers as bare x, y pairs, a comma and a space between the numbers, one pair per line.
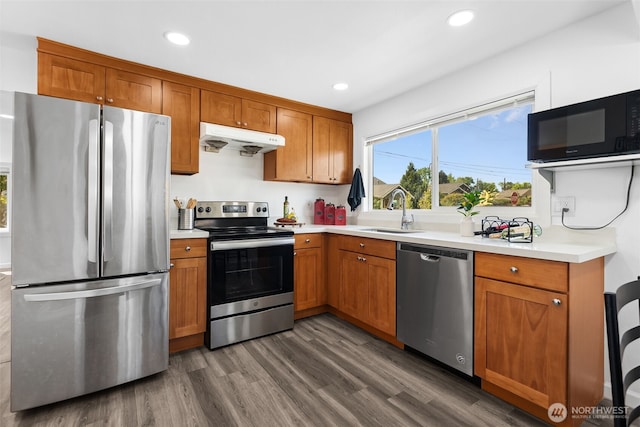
356, 193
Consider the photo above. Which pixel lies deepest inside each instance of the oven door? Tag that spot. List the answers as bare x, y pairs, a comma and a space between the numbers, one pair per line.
251, 268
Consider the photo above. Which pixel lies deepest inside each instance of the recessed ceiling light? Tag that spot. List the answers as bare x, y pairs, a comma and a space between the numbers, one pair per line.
341, 86
177, 38
460, 18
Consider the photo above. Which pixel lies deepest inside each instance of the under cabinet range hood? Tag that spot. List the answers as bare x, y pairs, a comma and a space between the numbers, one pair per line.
248, 142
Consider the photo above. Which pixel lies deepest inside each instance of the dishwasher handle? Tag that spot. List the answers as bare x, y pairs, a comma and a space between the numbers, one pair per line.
432, 253
429, 258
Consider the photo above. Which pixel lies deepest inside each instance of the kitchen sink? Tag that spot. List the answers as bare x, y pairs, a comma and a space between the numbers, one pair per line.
392, 230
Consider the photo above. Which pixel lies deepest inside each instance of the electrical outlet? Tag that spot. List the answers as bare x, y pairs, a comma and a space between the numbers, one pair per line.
566, 202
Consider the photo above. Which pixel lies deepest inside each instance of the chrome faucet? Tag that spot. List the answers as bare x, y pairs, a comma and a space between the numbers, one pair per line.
404, 224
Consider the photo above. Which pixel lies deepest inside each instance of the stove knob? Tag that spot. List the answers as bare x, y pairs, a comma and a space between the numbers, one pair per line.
208, 209
258, 209
264, 209
200, 209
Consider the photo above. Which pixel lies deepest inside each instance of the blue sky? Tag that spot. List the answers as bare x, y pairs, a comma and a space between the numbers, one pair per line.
491, 148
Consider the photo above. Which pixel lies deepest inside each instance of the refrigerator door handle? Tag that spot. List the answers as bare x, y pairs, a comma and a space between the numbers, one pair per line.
92, 192
108, 190
91, 293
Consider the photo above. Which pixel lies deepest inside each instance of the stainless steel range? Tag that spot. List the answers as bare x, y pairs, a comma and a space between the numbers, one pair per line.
250, 272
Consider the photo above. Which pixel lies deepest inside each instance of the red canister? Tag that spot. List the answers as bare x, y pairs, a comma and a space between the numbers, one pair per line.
318, 211
341, 215
329, 214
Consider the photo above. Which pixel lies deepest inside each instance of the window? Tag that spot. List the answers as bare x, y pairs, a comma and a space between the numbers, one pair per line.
483, 149
4, 197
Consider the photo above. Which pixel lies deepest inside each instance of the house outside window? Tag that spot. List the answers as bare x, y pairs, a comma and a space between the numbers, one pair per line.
481, 149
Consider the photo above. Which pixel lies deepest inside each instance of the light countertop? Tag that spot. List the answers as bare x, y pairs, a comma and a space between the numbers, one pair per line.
188, 234
552, 245
566, 247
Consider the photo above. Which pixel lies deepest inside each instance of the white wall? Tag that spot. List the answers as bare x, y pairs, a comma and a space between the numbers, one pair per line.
596, 57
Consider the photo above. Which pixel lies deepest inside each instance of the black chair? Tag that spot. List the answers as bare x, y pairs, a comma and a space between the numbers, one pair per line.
613, 304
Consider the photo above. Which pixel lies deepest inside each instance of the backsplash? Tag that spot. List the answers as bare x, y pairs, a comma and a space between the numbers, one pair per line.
228, 176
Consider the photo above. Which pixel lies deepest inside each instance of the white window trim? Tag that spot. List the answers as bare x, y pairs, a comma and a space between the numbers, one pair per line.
449, 214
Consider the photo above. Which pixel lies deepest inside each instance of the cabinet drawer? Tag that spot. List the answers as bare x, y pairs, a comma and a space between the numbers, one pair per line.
363, 245
544, 274
303, 241
188, 248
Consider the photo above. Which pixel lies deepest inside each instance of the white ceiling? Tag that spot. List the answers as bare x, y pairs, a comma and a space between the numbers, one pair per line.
298, 49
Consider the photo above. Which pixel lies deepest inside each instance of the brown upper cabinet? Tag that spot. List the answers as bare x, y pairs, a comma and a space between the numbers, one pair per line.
332, 151
69, 72
182, 103
83, 81
317, 149
233, 111
293, 162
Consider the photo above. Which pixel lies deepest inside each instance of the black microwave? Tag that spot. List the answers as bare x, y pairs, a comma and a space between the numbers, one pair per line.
598, 128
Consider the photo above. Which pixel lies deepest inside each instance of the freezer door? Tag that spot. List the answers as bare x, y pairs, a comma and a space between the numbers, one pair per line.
70, 340
135, 192
55, 214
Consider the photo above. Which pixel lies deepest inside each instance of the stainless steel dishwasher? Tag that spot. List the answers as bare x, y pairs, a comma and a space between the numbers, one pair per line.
435, 303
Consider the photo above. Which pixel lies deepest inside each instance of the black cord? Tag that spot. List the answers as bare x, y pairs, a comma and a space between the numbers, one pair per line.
609, 223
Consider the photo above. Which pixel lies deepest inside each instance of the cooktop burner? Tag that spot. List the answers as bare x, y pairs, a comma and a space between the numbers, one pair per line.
225, 220
245, 233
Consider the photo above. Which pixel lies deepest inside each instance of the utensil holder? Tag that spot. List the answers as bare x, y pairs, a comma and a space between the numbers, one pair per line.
185, 219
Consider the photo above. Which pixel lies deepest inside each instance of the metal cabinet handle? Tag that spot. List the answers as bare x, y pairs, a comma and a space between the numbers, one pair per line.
238, 123
99, 98
362, 245
295, 253
172, 265
307, 240
514, 269
245, 124
364, 259
109, 99
188, 248
556, 301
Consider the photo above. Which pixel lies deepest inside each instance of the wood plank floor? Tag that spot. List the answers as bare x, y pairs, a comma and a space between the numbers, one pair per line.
325, 372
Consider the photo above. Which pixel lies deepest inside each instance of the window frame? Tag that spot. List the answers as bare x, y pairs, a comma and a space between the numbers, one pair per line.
446, 212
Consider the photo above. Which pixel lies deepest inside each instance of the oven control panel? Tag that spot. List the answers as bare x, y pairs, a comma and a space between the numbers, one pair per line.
220, 209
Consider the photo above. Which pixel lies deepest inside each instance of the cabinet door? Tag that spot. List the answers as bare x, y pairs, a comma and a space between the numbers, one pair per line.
182, 103
381, 298
332, 151
220, 109
258, 116
187, 298
133, 91
308, 278
293, 161
521, 340
354, 292
70, 79
342, 152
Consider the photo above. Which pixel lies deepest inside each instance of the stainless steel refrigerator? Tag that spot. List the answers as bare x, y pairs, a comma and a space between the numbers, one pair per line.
89, 249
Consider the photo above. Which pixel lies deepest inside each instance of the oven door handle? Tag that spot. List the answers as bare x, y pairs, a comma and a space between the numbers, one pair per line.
225, 245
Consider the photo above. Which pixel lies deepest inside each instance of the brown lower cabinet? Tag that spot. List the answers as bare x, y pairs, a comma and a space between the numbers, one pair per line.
309, 288
187, 294
539, 332
368, 282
